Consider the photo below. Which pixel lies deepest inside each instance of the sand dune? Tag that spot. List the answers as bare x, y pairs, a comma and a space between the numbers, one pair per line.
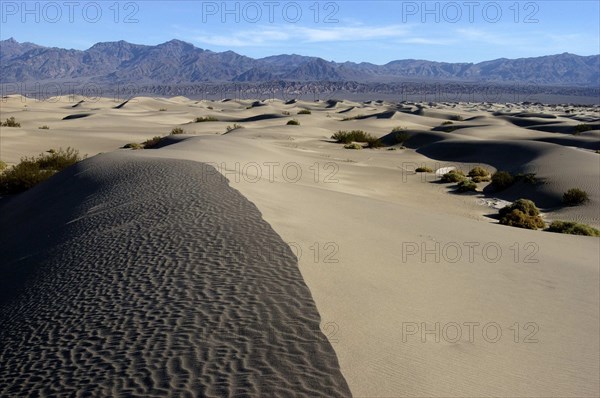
375, 244
153, 278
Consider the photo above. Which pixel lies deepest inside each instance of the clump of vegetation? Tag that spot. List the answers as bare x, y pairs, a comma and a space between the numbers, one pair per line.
10, 122
209, 107
32, 171
205, 119
346, 137
353, 146
572, 228
581, 128
286, 113
423, 170
234, 127
447, 122
453, 176
152, 142
502, 180
3, 165
133, 145
528, 178
44, 127
177, 130
400, 135
373, 143
361, 116
293, 122
479, 174
458, 118
304, 112
162, 109
523, 213
575, 197
466, 186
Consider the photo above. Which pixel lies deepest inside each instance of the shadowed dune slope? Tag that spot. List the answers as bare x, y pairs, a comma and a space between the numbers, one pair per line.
153, 277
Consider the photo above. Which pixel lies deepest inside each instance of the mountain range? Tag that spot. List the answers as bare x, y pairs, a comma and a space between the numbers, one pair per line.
178, 62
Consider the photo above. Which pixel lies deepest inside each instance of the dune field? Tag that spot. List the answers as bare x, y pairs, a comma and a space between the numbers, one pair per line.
245, 256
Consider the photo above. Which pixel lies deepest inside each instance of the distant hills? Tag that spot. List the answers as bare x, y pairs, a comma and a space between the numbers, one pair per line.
178, 62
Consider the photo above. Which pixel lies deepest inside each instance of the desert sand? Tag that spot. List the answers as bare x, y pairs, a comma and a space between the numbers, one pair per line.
415, 290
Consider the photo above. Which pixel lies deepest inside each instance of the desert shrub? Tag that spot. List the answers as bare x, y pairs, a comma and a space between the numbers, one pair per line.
373, 142
523, 213
572, 228
424, 170
458, 118
32, 171
346, 137
304, 112
234, 127
10, 122
481, 179
398, 129
3, 165
400, 136
580, 128
502, 180
453, 176
528, 178
44, 127
205, 119
353, 146
133, 145
293, 122
466, 186
478, 172
447, 122
575, 197
162, 109
177, 130
152, 142
286, 113
210, 107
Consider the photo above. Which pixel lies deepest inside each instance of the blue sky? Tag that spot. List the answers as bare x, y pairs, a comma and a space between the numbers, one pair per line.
372, 31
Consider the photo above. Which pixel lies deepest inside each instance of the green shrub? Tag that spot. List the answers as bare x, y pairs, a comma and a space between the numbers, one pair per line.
481, 179
447, 122
523, 213
528, 178
423, 170
502, 180
209, 107
346, 137
44, 127
373, 142
162, 109
205, 119
458, 118
466, 186
580, 128
572, 228
575, 197
32, 171
133, 145
478, 172
177, 130
398, 129
453, 176
293, 122
3, 166
400, 136
10, 122
353, 146
152, 142
304, 112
